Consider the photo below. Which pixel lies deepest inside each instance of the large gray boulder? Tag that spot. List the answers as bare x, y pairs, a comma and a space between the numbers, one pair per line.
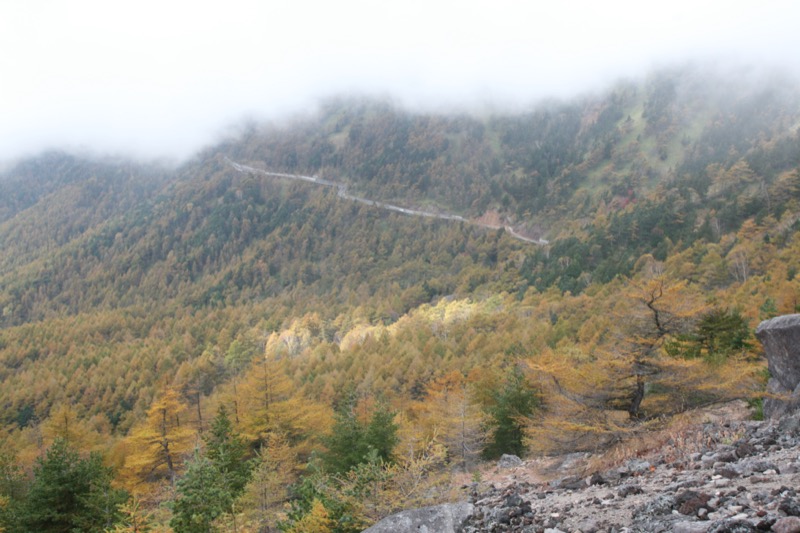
780, 337
447, 518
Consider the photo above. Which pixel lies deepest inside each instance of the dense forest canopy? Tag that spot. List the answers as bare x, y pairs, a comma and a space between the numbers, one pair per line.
156, 322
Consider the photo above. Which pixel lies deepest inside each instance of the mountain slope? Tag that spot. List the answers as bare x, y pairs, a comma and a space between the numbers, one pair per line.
124, 285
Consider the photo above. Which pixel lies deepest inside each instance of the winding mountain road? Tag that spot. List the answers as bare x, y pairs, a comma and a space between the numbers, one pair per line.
341, 191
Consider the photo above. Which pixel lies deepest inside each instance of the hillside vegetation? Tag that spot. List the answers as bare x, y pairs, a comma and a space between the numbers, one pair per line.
222, 350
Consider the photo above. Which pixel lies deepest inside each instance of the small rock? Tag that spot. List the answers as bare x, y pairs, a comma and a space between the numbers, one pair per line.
626, 490
732, 526
790, 506
766, 524
662, 504
513, 500
504, 516
690, 527
597, 479
588, 526
638, 467
744, 449
790, 524
728, 456
763, 467
727, 472
689, 502
783, 490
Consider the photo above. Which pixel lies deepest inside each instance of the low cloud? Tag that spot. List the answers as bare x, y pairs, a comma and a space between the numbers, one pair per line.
155, 79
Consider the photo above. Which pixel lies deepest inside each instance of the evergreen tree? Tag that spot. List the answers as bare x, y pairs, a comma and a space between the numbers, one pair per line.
202, 498
214, 481
718, 334
515, 401
316, 493
351, 440
346, 444
69, 493
380, 434
227, 452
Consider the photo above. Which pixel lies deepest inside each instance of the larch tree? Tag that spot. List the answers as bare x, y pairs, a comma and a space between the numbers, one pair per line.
239, 353
158, 446
317, 520
64, 423
451, 415
575, 389
275, 470
133, 518
271, 403
660, 308
263, 390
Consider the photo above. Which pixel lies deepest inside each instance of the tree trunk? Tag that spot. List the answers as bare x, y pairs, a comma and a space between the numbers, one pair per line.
636, 400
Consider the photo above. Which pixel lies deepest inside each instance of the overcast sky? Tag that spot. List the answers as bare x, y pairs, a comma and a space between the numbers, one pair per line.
164, 78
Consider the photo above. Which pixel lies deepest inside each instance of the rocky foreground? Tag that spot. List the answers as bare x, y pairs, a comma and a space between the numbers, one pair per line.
734, 477
728, 476
742, 485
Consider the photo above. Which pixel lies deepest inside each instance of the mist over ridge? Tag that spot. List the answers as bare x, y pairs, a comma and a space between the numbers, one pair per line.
158, 81
716, 80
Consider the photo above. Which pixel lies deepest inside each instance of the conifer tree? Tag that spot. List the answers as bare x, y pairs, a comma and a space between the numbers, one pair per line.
269, 483
69, 493
351, 440
381, 434
450, 413
513, 403
227, 452
346, 443
159, 444
718, 334
202, 498
662, 309
134, 519
317, 520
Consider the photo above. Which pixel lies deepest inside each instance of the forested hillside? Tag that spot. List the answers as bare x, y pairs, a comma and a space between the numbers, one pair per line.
217, 349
